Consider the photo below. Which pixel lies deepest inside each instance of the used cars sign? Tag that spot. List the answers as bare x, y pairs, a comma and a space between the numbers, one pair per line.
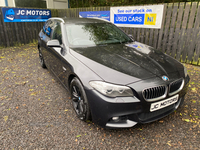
137, 16
25, 15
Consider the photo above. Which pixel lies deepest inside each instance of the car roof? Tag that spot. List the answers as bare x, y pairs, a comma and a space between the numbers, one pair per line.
79, 20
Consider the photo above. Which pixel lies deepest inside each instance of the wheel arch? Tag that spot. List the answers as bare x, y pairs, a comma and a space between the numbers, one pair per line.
71, 77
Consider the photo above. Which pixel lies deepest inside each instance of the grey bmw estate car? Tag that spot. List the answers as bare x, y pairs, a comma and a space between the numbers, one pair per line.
113, 80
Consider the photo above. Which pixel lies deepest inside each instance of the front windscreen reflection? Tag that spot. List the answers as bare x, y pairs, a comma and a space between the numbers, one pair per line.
90, 34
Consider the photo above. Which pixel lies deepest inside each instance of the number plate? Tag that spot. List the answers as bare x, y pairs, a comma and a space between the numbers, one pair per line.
164, 103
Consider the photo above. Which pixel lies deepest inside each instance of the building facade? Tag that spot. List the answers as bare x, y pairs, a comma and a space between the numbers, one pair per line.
52, 4
7, 3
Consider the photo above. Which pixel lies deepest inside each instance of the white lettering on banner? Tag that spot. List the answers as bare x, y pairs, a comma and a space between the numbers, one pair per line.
123, 19
44, 12
33, 12
139, 19
22, 12
40, 12
37, 12
28, 12
18, 13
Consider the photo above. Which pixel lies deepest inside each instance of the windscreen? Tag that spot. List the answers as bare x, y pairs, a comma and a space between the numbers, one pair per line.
90, 34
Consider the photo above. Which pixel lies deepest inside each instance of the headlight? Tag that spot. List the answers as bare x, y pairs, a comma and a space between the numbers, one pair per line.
111, 90
185, 71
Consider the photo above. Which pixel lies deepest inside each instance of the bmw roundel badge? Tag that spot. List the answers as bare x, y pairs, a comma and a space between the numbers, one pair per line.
165, 78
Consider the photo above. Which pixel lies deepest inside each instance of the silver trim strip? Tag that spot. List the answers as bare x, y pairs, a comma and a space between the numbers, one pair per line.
181, 87
56, 18
128, 124
178, 103
99, 19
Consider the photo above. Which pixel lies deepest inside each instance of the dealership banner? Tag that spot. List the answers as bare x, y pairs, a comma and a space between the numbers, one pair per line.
25, 15
95, 14
149, 16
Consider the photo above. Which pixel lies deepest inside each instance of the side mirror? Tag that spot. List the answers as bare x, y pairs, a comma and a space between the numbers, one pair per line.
53, 43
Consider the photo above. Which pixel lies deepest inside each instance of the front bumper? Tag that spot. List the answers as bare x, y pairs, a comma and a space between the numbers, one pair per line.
127, 111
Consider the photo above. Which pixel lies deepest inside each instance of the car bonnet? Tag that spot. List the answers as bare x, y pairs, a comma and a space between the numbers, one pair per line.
134, 61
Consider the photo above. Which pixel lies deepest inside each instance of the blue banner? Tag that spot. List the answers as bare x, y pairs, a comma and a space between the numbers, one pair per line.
95, 14
25, 15
129, 19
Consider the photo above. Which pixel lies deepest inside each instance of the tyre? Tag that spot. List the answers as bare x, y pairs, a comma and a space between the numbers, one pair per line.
79, 100
41, 59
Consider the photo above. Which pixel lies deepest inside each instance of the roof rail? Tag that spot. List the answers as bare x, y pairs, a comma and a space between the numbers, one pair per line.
58, 19
100, 19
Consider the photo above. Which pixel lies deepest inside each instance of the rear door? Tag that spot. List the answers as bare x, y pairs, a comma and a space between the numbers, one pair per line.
44, 37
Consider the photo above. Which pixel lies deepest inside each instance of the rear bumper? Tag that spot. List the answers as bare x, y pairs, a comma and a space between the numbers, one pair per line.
129, 111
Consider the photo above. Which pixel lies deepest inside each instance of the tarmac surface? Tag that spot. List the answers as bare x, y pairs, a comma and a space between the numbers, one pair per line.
36, 113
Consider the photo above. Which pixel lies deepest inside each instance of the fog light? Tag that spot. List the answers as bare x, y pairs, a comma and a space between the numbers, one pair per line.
115, 118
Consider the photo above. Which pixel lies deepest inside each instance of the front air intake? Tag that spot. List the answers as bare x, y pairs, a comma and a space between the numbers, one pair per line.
176, 86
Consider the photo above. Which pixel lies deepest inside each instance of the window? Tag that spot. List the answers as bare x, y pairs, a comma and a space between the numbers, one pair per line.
95, 34
47, 28
57, 33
